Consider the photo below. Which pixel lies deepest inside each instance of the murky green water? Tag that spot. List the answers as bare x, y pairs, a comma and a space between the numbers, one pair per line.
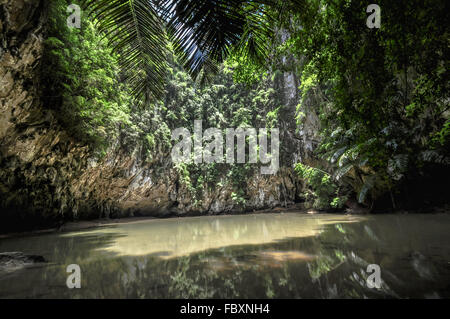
249, 256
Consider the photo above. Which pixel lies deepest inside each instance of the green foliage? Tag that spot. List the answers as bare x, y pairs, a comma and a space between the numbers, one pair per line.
272, 118
81, 81
203, 33
338, 202
185, 177
321, 187
238, 197
245, 70
135, 31
221, 104
384, 91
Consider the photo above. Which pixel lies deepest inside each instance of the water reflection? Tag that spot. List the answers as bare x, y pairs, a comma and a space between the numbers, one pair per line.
170, 238
250, 256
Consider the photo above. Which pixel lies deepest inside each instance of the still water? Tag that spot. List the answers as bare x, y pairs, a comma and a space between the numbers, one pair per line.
277, 255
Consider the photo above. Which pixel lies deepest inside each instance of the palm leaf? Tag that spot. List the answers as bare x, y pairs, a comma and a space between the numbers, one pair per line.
204, 30
137, 34
204, 33
207, 31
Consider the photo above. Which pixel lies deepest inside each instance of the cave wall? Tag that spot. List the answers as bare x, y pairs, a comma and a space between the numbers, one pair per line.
38, 160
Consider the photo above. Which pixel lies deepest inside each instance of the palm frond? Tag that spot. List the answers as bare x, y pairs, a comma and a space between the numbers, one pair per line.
204, 33
207, 31
137, 34
204, 30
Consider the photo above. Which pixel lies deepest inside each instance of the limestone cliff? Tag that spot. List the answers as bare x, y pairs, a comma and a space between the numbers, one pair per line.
46, 176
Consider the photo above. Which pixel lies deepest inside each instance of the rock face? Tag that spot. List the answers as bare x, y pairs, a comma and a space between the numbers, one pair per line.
38, 160
46, 176
123, 187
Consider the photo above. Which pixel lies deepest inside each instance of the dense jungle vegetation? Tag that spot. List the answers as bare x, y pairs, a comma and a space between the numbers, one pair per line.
125, 80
